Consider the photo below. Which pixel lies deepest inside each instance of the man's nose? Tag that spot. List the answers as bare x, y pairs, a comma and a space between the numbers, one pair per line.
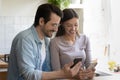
55, 29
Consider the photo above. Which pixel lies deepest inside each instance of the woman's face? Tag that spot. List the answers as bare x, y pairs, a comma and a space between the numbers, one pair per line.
71, 26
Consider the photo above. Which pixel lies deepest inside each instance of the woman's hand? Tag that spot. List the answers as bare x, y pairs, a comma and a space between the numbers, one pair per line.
82, 74
85, 74
90, 73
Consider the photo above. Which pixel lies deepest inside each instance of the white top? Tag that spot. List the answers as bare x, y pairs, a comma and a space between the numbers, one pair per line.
43, 52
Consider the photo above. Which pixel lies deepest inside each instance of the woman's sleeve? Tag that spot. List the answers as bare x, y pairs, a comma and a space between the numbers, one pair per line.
88, 52
55, 57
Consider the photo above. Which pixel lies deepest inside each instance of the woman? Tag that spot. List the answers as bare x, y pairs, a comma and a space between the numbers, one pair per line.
69, 44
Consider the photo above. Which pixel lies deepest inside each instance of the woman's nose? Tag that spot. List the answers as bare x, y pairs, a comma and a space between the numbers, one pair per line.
73, 27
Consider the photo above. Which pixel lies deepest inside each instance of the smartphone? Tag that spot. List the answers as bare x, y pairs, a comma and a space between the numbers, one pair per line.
92, 65
76, 60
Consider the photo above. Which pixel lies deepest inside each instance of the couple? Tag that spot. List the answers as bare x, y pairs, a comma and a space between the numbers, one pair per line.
30, 55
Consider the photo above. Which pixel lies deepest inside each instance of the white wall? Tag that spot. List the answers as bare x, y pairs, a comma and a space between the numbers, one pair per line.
15, 16
115, 31
96, 29
102, 25
19, 7
0, 6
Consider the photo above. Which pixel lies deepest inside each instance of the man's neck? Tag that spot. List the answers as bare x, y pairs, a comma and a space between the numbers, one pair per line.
40, 33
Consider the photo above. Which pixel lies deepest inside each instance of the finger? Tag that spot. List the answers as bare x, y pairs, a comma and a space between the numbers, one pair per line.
94, 69
82, 76
75, 69
81, 69
90, 70
67, 67
69, 64
78, 65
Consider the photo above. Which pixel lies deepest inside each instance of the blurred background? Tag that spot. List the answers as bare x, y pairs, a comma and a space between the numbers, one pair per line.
99, 20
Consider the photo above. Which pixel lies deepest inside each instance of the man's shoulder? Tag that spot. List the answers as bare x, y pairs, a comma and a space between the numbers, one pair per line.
23, 34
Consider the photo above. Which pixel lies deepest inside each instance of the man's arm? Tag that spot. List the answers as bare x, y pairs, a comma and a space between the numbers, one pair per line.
65, 73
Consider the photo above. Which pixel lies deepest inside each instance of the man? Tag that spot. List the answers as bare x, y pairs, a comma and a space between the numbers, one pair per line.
29, 57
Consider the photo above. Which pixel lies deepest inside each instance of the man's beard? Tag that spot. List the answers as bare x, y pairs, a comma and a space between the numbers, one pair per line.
50, 35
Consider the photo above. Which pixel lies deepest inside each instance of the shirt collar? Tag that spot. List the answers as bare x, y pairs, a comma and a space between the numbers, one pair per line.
36, 37
35, 34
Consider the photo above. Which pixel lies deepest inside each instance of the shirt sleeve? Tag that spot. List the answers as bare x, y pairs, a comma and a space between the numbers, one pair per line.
88, 52
26, 60
55, 57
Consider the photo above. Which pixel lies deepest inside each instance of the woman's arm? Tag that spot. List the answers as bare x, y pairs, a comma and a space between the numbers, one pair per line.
88, 52
55, 57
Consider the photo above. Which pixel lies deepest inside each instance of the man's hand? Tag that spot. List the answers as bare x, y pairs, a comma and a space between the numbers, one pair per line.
71, 72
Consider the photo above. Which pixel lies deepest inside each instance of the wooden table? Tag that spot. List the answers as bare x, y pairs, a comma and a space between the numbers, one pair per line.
3, 68
3, 75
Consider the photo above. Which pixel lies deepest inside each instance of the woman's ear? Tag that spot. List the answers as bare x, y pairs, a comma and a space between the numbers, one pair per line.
41, 21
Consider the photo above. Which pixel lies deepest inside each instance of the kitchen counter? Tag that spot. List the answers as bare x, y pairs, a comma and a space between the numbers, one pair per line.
107, 76
3, 64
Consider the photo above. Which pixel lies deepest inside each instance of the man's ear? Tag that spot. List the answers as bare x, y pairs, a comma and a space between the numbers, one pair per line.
41, 21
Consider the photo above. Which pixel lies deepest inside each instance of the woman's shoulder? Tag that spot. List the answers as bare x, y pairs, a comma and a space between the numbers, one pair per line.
56, 39
82, 36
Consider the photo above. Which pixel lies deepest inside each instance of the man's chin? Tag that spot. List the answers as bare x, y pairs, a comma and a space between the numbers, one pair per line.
50, 36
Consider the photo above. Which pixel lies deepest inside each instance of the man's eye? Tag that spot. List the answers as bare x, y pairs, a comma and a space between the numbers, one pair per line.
55, 25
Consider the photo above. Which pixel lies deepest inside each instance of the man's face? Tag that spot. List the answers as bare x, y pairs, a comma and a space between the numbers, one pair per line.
51, 26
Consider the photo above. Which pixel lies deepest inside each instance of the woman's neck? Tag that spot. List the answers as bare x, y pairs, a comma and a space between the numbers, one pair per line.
70, 38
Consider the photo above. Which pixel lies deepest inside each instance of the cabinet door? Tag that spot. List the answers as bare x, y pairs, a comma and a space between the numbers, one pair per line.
3, 75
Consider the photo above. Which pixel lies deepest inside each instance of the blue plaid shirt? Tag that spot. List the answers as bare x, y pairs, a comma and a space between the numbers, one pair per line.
25, 56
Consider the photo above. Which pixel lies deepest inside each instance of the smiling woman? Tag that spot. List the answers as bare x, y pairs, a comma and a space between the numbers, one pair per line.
68, 44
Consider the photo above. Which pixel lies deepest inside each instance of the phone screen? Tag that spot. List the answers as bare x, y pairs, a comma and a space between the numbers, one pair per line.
76, 60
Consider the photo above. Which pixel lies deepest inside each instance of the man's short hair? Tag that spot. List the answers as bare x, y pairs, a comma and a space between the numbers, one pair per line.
44, 11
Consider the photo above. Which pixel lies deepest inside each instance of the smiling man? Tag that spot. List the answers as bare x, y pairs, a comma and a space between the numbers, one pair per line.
29, 57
